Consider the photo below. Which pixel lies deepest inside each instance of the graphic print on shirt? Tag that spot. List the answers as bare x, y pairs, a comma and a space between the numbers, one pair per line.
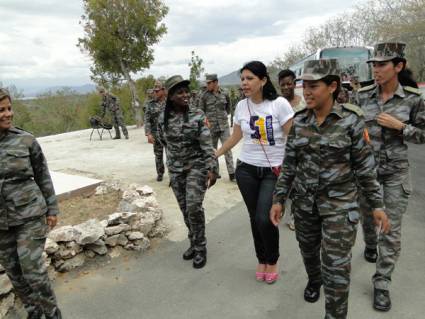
263, 129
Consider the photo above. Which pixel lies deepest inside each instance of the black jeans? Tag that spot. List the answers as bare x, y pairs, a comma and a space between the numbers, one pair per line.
256, 185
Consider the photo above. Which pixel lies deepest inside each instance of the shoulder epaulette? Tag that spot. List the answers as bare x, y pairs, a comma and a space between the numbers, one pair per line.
412, 90
367, 88
353, 108
18, 130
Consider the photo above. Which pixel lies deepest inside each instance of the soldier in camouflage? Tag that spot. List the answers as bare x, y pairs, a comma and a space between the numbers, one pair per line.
215, 103
112, 104
154, 108
191, 162
394, 115
28, 207
326, 153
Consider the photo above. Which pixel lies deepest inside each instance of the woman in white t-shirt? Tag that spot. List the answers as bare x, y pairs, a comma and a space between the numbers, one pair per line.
263, 121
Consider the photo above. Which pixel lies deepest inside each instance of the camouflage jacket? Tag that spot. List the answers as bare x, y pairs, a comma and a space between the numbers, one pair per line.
26, 189
152, 113
389, 145
187, 141
323, 163
111, 103
216, 107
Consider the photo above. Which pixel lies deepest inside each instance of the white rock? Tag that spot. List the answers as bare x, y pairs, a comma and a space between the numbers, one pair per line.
145, 190
104, 223
159, 231
122, 240
98, 247
144, 225
113, 230
89, 231
72, 263
68, 252
115, 252
63, 234
51, 246
135, 235
122, 218
5, 285
90, 253
101, 190
130, 195
6, 303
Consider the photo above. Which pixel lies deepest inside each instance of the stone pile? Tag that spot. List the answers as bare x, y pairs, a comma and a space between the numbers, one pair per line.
137, 220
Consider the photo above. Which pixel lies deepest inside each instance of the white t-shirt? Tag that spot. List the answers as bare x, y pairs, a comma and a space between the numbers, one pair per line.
263, 122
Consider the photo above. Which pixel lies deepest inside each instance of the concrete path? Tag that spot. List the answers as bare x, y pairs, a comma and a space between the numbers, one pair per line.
160, 284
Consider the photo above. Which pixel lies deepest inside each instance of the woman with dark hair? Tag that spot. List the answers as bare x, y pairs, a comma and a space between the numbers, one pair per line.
263, 121
28, 208
190, 160
395, 114
326, 156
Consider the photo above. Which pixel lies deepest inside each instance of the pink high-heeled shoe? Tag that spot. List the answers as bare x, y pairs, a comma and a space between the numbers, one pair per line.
260, 276
271, 277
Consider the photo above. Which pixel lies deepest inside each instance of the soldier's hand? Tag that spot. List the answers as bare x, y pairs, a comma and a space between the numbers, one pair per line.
389, 121
276, 213
151, 139
52, 221
381, 221
211, 179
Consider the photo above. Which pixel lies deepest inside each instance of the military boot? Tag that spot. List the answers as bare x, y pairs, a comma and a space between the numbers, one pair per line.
371, 254
232, 177
56, 315
200, 259
117, 137
381, 299
189, 253
37, 313
312, 292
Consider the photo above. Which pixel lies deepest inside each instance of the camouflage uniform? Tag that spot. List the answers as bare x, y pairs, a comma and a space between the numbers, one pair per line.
111, 103
26, 197
391, 156
152, 114
216, 107
319, 173
190, 156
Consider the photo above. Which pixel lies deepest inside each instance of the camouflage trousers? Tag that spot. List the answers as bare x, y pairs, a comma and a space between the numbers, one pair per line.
223, 136
189, 188
389, 245
118, 121
325, 243
21, 249
158, 150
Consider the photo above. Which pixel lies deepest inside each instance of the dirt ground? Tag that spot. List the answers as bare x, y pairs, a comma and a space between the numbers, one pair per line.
82, 208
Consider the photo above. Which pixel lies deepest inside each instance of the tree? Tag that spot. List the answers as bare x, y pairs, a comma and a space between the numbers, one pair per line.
119, 35
196, 69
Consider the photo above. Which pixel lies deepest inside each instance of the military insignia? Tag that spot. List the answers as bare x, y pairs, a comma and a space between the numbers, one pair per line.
366, 136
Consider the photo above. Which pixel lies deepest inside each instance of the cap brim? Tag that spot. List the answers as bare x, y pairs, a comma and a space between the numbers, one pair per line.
381, 59
311, 77
184, 82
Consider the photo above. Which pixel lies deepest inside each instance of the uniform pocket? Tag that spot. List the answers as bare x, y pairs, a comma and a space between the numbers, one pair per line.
40, 229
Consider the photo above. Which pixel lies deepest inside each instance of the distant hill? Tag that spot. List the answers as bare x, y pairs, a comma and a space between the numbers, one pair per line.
81, 89
230, 79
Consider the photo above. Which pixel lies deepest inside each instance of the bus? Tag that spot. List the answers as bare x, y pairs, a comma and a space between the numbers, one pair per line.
352, 61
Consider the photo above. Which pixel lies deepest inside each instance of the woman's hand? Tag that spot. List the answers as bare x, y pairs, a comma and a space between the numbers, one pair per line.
276, 213
211, 179
51, 221
381, 221
151, 139
389, 121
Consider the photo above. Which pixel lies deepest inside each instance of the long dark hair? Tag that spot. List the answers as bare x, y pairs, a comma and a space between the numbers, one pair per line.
405, 77
169, 104
260, 70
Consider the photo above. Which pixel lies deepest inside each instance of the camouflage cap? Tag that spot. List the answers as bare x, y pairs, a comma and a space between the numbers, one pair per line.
318, 69
4, 93
211, 77
387, 51
175, 80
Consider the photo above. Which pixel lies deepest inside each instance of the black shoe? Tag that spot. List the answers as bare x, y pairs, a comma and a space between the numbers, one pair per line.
218, 176
159, 178
200, 259
57, 315
312, 292
189, 253
381, 299
117, 138
232, 177
371, 255
126, 137
37, 313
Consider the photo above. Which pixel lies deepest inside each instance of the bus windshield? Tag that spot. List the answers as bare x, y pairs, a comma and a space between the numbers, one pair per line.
352, 62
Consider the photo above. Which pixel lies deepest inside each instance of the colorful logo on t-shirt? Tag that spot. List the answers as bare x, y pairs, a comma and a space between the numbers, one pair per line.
263, 129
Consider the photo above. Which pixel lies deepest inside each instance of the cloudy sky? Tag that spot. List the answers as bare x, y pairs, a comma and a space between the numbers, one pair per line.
38, 38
